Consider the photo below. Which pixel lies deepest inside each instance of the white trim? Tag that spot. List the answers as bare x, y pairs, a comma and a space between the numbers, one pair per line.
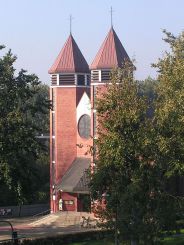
75, 79
100, 75
70, 86
53, 136
52, 111
96, 83
57, 79
84, 106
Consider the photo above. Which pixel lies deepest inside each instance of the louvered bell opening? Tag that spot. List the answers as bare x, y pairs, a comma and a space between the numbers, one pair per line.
81, 80
95, 76
66, 79
88, 80
54, 79
105, 75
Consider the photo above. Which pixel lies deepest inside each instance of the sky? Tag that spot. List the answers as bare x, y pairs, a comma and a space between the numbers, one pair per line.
36, 30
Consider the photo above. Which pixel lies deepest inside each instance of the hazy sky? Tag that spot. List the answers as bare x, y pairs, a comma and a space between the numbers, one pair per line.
36, 30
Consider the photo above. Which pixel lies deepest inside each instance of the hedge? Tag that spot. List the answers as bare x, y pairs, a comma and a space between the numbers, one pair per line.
64, 238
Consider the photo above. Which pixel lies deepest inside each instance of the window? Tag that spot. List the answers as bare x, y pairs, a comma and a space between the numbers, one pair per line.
94, 123
94, 96
80, 80
68, 202
53, 124
53, 149
53, 99
53, 172
84, 126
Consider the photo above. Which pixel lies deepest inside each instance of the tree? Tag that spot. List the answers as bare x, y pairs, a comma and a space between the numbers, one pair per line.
169, 106
19, 146
147, 87
138, 155
121, 114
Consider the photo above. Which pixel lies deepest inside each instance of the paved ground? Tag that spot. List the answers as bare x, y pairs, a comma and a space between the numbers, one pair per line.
32, 232
25, 229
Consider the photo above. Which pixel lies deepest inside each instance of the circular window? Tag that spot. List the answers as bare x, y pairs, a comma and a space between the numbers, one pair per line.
84, 126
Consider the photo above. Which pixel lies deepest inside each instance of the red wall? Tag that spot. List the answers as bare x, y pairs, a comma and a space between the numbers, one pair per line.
66, 138
65, 129
69, 197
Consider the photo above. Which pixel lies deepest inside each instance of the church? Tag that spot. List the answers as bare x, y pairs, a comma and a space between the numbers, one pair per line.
73, 118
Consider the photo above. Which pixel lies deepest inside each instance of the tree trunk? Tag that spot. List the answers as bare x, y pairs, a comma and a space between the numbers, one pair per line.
20, 207
134, 242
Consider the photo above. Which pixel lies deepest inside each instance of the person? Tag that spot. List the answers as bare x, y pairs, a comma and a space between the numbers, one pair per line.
60, 204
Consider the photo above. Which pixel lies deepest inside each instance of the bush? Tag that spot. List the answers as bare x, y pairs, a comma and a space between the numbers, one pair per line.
65, 238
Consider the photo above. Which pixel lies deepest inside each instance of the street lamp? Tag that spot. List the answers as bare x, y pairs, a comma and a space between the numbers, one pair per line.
13, 233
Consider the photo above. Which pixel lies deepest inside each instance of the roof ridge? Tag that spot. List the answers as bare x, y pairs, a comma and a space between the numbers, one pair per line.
114, 33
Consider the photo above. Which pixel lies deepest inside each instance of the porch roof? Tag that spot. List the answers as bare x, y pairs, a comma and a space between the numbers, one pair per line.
76, 177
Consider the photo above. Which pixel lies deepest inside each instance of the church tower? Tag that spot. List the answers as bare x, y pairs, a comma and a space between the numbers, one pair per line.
69, 127
110, 55
73, 117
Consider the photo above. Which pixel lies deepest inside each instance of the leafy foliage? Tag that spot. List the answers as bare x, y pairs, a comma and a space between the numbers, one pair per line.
138, 156
22, 108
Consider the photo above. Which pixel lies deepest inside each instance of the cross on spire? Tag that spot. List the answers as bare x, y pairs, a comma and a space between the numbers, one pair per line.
71, 18
111, 12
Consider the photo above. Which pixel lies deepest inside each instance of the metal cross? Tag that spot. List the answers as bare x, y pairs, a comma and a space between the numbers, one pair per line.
111, 11
71, 18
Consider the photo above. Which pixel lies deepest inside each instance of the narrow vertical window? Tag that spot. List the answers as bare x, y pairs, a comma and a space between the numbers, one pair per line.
53, 149
53, 124
94, 97
53, 173
53, 100
94, 124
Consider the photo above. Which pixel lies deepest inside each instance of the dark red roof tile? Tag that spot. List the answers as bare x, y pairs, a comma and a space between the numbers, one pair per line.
111, 54
70, 59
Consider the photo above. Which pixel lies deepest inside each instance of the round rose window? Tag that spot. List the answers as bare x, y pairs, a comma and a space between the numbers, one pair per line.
84, 126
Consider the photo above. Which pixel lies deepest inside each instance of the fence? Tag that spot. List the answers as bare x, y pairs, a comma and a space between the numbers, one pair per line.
23, 210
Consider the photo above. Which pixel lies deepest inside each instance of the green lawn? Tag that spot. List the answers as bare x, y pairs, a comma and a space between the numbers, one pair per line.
173, 241
166, 241
100, 242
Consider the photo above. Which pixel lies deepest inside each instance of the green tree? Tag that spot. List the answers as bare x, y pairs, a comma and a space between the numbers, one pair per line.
169, 106
121, 114
20, 107
137, 157
147, 87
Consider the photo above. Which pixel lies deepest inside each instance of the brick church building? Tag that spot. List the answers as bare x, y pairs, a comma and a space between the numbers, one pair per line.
73, 117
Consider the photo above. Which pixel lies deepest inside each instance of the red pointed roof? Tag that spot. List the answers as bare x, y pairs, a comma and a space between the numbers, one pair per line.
111, 54
70, 59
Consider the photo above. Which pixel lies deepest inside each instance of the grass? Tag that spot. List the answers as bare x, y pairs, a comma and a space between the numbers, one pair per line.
100, 242
173, 241
167, 241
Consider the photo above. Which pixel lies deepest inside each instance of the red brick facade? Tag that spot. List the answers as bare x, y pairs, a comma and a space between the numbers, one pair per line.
68, 143
73, 97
